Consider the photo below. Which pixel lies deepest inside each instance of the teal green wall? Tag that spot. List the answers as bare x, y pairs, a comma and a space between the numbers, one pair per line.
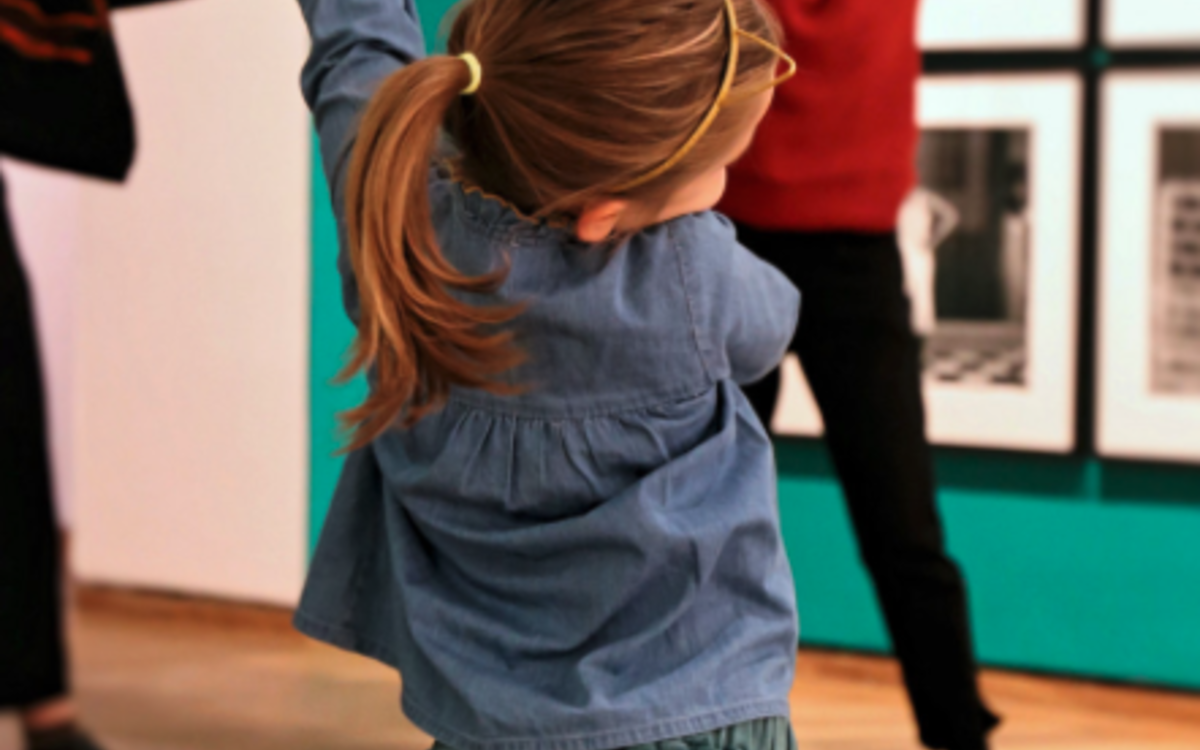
332, 333
432, 14
1075, 566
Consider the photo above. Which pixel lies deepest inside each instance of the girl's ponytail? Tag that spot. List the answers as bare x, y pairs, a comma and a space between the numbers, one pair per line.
415, 336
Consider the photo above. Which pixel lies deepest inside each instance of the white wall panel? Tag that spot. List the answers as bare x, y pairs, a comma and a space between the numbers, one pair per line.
1152, 23
998, 24
193, 313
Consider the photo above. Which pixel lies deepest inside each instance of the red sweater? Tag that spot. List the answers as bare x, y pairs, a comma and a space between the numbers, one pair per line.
837, 149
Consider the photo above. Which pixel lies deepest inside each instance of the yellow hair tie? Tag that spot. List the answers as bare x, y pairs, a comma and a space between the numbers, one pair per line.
476, 72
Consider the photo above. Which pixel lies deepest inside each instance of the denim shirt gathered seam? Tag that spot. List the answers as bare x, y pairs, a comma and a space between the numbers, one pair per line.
497, 408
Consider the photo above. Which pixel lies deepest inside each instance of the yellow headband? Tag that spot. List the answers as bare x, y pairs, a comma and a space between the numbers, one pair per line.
476, 72
731, 68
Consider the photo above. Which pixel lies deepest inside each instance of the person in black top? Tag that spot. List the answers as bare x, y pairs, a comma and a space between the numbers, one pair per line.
62, 104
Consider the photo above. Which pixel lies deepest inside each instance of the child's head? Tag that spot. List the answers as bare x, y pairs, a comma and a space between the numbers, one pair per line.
579, 99
613, 115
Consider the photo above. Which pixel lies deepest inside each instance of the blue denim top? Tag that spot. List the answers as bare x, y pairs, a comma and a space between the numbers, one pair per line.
596, 563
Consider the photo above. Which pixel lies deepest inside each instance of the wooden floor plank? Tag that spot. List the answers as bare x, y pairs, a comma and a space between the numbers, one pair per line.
158, 673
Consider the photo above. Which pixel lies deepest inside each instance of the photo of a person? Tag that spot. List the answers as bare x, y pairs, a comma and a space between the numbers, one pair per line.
966, 238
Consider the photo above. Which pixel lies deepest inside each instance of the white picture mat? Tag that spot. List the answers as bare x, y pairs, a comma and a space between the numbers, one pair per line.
192, 359
1024, 24
1040, 416
1132, 422
1149, 23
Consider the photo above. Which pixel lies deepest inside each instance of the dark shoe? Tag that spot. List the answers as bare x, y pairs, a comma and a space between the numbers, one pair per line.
988, 722
68, 737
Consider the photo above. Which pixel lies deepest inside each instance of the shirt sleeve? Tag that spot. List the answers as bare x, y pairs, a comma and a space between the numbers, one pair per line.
745, 311
355, 45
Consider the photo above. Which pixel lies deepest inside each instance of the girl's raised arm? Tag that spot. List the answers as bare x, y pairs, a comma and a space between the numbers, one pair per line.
355, 45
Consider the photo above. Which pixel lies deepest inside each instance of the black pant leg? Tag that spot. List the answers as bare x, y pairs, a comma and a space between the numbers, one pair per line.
32, 660
862, 361
763, 395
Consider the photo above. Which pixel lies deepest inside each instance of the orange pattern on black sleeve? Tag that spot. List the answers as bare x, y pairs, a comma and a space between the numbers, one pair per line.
32, 33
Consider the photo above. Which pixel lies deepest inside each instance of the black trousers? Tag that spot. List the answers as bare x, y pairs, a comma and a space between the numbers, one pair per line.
32, 660
862, 360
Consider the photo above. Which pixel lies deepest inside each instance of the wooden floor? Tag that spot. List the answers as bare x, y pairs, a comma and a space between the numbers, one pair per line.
160, 675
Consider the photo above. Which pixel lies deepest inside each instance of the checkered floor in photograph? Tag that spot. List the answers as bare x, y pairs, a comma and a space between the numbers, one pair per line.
977, 354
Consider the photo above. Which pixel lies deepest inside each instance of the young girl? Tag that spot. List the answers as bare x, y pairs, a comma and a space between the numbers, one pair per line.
558, 517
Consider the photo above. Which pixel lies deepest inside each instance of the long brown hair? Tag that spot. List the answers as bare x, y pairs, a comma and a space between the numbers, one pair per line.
577, 99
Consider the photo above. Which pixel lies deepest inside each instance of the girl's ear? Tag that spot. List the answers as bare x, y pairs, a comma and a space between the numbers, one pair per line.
598, 219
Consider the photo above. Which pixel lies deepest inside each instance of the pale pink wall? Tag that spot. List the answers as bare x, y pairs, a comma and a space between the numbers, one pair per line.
45, 209
192, 348
174, 311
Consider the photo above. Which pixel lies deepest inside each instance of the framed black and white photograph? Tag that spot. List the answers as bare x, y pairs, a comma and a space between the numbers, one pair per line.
974, 201
1152, 23
1002, 24
1149, 353
990, 242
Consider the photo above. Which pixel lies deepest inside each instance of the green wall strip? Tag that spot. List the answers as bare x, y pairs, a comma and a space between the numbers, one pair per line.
435, 15
332, 333
1075, 566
